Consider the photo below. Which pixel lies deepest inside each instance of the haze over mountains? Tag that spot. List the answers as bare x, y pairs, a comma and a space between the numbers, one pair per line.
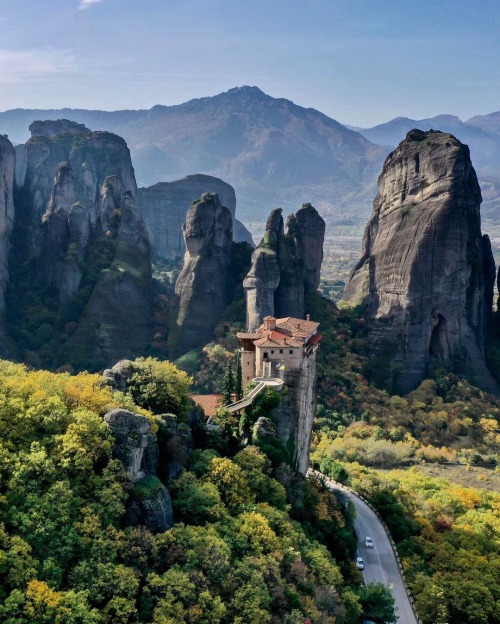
272, 151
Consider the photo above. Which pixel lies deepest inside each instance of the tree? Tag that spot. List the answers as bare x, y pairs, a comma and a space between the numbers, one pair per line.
377, 603
239, 378
231, 482
227, 387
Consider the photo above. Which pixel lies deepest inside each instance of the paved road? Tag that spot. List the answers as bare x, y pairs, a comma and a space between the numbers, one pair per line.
380, 561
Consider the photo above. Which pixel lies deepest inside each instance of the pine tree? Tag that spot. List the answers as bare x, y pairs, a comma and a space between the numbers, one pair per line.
227, 387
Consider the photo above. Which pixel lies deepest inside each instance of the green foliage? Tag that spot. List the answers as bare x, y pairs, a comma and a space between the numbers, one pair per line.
447, 537
145, 489
227, 386
159, 387
261, 564
263, 405
393, 513
238, 378
377, 603
235, 554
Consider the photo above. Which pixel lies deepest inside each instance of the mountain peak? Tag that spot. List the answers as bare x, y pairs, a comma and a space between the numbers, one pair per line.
245, 90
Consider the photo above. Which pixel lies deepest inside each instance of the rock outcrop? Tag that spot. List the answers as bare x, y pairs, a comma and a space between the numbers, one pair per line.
116, 322
294, 417
201, 285
425, 275
7, 165
91, 156
264, 276
136, 448
285, 266
164, 206
82, 231
51, 128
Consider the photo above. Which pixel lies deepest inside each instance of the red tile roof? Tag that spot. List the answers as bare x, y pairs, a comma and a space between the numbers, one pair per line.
208, 402
294, 324
314, 339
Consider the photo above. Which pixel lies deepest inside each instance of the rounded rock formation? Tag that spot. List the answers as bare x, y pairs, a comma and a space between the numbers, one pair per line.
425, 275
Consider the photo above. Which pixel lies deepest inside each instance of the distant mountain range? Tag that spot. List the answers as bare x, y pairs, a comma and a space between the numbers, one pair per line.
273, 152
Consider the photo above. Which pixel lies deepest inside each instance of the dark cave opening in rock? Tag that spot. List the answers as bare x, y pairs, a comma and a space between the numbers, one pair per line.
438, 345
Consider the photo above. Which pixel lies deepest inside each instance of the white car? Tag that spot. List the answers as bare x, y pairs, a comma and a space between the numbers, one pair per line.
368, 542
360, 564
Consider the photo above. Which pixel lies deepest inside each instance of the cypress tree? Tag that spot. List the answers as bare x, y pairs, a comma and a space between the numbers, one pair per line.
227, 386
239, 378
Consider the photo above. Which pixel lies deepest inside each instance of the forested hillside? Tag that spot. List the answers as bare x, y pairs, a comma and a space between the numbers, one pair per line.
252, 540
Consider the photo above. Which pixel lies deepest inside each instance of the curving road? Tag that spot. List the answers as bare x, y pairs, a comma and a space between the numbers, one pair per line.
380, 562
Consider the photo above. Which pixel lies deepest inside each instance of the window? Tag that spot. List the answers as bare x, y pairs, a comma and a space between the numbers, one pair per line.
281, 350
291, 352
265, 355
272, 351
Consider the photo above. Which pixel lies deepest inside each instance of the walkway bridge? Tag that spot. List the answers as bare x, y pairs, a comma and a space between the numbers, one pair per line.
262, 383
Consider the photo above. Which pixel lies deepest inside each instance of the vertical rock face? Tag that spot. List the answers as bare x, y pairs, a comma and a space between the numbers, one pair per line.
136, 448
264, 276
426, 273
201, 285
285, 266
311, 229
7, 165
164, 205
91, 156
295, 415
116, 322
84, 235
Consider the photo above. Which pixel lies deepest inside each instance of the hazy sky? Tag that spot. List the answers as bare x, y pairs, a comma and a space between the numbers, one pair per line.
360, 61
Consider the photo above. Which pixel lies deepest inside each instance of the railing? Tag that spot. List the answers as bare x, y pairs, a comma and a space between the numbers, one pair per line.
340, 486
248, 400
262, 383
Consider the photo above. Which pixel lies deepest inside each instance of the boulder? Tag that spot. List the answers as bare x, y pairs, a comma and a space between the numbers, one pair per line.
117, 377
263, 428
136, 448
425, 275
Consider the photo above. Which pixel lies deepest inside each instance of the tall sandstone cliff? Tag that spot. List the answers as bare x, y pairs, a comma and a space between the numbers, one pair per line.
164, 206
202, 283
285, 266
425, 275
7, 165
79, 226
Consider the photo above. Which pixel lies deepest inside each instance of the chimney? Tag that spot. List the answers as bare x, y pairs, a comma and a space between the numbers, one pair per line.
270, 322
308, 317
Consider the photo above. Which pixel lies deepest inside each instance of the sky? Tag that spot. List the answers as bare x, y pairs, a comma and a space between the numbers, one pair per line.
361, 62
